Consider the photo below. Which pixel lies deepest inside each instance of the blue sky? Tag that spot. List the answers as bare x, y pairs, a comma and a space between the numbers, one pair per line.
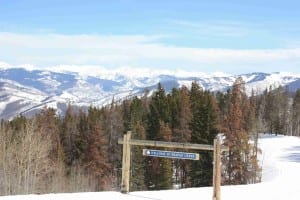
231, 36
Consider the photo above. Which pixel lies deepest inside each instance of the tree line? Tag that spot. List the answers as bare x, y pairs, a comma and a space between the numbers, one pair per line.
79, 151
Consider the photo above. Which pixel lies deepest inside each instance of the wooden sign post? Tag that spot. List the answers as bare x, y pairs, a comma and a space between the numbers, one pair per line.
126, 163
217, 148
217, 170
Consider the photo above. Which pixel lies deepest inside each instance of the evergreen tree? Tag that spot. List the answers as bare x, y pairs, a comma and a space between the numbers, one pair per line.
48, 124
204, 130
164, 171
158, 114
181, 118
137, 112
96, 155
236, 137
174, 110
126, 106
18, 123
71, 137
138, 160
195, 96
277, 111
260, 106
270, 110
158, 111
284, 111
239, 165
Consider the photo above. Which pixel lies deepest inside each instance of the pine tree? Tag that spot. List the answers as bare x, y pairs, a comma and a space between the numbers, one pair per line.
204, 130
138, 160
260, 106
71, 137
284, 111
270, 114
236, 136
126, 105
48, 124
238, 161
180, 121
277, 111
174, 110
158, 115
18, 123
164, 171
137, 112
96, 155
158, 111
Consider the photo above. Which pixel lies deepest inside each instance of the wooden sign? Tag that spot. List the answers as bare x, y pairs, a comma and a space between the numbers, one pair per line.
170, 154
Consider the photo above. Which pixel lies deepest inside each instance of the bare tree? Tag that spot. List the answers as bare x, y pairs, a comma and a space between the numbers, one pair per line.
25, 161
296, 114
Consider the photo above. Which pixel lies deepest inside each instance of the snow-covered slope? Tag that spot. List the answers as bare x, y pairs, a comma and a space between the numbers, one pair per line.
26, 91
280, 181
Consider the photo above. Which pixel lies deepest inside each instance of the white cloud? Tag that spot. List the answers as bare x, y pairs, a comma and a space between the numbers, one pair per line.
4, 65
139, 51
292, 43
108, 73
229, 55
70, 41
214, 28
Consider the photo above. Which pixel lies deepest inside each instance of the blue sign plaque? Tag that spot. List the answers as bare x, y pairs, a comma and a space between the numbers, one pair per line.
170, 154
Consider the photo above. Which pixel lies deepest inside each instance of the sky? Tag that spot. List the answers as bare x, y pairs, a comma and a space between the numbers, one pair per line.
230, 36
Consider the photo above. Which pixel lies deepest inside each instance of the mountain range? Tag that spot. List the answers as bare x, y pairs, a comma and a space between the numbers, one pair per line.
26, 91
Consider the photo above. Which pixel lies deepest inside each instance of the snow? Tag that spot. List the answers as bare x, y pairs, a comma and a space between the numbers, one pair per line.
79, 91
2, 106
280, 161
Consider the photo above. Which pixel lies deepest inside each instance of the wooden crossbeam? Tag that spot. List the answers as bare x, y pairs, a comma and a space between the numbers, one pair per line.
177, 145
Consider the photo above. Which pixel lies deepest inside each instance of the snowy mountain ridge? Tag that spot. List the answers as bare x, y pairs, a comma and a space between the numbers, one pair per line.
25, 89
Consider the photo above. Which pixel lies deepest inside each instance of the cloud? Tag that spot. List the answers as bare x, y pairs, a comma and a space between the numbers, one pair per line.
237, 55
128, 71
213, 28
138, 51
292, 43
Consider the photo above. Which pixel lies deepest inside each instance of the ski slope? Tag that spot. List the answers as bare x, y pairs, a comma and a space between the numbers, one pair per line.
280, 180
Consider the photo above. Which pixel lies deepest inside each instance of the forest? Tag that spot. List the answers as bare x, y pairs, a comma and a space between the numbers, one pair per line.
79, 150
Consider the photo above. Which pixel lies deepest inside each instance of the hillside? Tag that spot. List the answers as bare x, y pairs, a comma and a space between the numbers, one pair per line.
280, 180
26, 91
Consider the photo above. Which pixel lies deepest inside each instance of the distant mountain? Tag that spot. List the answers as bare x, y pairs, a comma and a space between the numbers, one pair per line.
24, 91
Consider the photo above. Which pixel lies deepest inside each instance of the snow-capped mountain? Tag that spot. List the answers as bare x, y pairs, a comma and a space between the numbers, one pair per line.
25, 91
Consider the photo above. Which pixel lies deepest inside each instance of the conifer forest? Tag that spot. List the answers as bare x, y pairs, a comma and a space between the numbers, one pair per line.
78, 150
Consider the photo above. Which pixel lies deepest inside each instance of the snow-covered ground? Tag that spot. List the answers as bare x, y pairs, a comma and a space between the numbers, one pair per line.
280, 180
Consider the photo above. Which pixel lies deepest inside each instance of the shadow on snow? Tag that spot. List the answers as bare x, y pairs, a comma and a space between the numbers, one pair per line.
293, 154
